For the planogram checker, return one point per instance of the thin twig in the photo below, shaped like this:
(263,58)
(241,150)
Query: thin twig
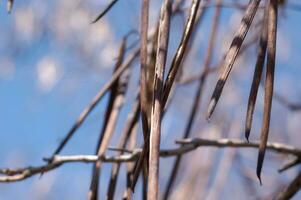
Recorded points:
(277,147)
(111,4)
(287,103)
(291,189)
(130,166)
(128,129)
(114,106)
(13,175)
(290,164)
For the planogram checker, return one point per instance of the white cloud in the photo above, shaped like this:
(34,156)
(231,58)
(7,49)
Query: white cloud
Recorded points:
(48,74)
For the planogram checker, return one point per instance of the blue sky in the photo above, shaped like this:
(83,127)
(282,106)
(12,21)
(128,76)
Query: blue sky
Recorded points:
(38,103)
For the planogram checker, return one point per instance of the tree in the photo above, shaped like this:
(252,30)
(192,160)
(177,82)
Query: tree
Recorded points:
(169,53)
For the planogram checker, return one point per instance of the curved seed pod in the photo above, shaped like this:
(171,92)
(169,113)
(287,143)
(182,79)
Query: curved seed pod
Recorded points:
(178,57)
(257,75)
(232,54)
(269,82)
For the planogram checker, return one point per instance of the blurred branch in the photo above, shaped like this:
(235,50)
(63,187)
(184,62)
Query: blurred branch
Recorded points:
(290,164)
(287,103)
(82,117)
(9,5)
(13,175)
(111,4)
(192,144)
(291,189)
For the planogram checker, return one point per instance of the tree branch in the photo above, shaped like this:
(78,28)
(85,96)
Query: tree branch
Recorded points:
(13,175)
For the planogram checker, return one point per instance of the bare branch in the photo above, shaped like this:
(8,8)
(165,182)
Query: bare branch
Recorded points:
(291,189)
(290,164)
(188,146)
(276,147)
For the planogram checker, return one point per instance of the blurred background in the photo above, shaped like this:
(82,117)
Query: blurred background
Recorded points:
(53,61)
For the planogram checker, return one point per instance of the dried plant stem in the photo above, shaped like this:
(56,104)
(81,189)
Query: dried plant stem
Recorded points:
(145,152)
(157,104)
(213,69)
(115,103)
(232,54)
(257,75)
(269,82)
(130,166)
(126,135)
(196,103)
(177,59)
(143,69)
